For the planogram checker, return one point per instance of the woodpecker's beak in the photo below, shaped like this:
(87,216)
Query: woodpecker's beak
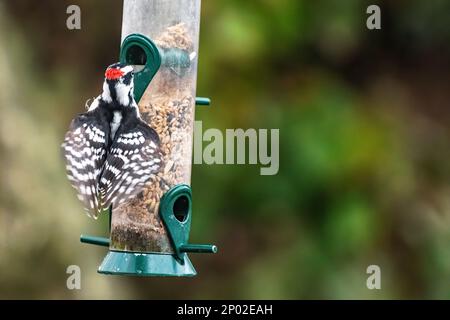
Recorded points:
(137,68)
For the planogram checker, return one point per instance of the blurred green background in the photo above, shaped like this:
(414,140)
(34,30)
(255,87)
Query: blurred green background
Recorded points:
(364,150)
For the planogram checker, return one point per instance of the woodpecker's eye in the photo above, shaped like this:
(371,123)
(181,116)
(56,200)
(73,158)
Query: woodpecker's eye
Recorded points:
(127,78)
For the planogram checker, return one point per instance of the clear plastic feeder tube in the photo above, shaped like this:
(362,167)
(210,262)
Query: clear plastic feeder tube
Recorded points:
(168,106)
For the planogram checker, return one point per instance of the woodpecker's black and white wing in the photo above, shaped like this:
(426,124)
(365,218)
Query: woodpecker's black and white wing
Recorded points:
(84,149)
(134,159)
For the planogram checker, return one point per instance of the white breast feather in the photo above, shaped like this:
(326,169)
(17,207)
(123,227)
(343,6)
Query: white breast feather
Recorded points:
(115,123)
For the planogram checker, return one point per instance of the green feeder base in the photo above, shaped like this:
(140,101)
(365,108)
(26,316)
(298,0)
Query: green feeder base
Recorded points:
(146,264)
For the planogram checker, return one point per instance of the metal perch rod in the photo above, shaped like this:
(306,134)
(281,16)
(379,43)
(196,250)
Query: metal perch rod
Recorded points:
(197,248)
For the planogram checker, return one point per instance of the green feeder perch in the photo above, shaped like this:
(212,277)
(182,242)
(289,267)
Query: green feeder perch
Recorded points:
(149,235)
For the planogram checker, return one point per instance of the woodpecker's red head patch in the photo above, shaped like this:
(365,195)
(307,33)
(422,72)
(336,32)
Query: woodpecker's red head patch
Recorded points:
(113,73)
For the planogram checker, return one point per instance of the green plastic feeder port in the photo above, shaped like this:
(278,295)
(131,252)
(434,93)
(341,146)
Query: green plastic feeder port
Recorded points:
(142,53)
(176,213)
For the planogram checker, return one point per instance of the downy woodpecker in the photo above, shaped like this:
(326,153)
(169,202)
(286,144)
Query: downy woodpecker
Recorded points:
(110,152)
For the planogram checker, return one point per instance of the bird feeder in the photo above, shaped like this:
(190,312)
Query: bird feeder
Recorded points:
(149,234)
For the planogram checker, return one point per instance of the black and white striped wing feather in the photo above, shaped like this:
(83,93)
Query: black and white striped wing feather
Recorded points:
(84,150)
(134,159)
